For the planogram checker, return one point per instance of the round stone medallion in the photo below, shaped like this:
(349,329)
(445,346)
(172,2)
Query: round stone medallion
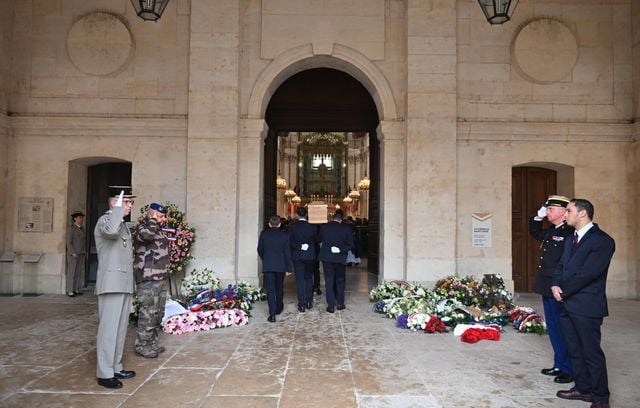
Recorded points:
(545,50)
(99,44)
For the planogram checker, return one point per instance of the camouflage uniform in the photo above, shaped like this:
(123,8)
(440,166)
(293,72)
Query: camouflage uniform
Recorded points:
(151,272)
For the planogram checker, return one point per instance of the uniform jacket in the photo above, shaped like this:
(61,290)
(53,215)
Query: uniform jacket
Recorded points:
(151,247)
(582,274)
(115,254)
(335,234)
(302,232)
(274,249)
(75,240)
(552,244)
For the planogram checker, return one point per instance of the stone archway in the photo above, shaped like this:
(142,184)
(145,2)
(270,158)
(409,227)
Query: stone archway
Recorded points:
(391,134)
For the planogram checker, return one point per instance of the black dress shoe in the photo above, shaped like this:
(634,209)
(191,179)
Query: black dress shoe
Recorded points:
(309,305)
(330,309)
(271,318)
(551,371)
(574,394)
(124,374)
(71,294)
(78,293)
(564,378)
(110,382)
(340,307)
(301,308)
(318,291)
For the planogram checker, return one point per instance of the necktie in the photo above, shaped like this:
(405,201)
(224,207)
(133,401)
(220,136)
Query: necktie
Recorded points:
(574,243)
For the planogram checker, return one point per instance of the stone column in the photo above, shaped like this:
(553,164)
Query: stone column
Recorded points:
(392,199)
(212,141)
(250,193)
(431,139)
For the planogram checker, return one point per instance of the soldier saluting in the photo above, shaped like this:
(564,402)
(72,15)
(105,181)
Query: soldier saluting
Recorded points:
(152,274)
(553,241)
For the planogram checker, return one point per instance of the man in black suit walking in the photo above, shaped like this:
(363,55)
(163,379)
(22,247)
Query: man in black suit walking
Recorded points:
(303,238)
(579,282)
(337,240)
(275,252)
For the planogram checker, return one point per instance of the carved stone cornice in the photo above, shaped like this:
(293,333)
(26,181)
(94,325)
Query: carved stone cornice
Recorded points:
(25,126)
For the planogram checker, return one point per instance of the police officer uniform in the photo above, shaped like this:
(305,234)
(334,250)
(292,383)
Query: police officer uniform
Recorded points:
(552,244)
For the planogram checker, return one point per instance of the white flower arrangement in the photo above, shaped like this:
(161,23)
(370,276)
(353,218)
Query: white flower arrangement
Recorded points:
(418,321)
(199,280)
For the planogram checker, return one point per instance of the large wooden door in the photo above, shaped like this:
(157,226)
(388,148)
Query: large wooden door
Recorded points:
(530,188)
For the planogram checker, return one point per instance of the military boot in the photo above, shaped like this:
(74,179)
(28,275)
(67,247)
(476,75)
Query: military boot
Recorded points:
(146,352)
(157,349)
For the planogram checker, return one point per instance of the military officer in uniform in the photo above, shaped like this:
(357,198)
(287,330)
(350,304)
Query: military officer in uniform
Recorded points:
(114,286)
(303,237)
(75,253)
(337,240)
(152,278)
(553,240)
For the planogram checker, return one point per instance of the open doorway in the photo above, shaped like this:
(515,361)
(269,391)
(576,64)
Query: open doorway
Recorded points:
(99,177)
(322,141)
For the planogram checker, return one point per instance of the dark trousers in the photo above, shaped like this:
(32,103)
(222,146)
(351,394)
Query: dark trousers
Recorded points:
(304,281)
(316,274)
(334,282)
(274,282)
(589,365)
(561,358)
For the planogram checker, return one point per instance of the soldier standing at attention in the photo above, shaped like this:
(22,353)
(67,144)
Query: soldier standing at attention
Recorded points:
(75,254)
(114,287)
(553,241)
(152,274)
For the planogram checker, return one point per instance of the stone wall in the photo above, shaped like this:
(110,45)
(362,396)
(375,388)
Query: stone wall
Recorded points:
(6,26)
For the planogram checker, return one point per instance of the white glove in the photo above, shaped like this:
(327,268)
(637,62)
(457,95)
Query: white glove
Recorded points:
(335,250)
(542,212)
(119,202)
(304,247)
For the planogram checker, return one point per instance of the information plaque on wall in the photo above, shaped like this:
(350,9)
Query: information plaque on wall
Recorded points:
(35,214)
(481,230)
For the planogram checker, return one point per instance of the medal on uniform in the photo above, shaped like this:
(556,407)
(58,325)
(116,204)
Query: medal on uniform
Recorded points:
(124,241)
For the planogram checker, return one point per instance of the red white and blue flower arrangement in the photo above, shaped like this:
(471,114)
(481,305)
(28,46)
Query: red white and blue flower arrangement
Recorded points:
(210,306)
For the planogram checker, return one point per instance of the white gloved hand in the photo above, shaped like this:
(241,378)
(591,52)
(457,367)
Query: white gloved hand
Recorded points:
(542,212)
(119,202)
(335,250)
(304,247)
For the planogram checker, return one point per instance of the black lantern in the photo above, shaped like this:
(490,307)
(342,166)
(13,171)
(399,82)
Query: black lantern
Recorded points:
(150,10)
(498,11)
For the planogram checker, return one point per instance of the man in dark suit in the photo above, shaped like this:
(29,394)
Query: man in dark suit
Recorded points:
(337,240)
(552,240)
(275,252)
(303,238)
(579,282)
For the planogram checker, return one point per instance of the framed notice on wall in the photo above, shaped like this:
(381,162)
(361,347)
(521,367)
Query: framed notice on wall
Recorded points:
(481,230)
(35,214)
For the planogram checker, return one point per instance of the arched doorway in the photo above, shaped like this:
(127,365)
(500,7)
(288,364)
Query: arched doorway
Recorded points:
(326,102)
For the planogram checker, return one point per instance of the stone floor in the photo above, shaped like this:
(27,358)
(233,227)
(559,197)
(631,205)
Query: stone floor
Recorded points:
(353,358)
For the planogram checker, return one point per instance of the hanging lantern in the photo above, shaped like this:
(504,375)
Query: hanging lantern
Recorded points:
(149,10)
(498,11)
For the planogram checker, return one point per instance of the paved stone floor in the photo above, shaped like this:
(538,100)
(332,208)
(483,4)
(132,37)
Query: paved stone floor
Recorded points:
(353,358)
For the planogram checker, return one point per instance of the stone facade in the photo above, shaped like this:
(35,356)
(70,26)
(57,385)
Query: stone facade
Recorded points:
(460,103)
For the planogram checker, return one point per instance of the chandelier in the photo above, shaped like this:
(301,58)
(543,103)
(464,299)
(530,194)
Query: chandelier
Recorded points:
(290,194)
(281,183)
(354,194)
(498,11)
(364,183)
(347,200)
(149,10)
(296,199)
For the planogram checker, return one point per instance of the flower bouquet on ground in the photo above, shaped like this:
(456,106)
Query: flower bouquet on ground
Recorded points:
(527,320)
(205,320)
(199,280)
(421,322)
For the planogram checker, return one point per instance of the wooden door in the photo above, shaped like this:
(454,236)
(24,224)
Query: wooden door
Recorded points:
(530,188)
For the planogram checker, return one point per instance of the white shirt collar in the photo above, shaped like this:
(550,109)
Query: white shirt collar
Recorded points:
(580,233)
